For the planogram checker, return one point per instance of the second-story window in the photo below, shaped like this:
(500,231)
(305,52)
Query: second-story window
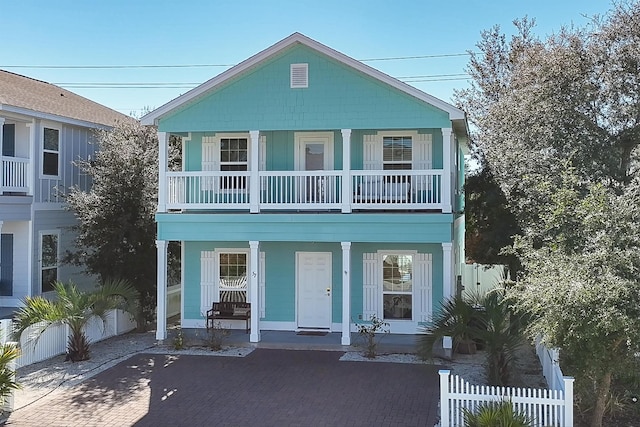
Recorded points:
(51,152)
(397,152)
(234,157)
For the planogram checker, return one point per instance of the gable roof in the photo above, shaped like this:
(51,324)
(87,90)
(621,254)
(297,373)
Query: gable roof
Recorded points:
(151,118)
(24,95)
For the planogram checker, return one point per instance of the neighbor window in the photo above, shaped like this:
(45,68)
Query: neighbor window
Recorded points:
(234,157)
(233,277)
(50,152)
(49,261)
(397,286)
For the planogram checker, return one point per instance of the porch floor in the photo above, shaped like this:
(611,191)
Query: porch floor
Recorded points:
(289,340)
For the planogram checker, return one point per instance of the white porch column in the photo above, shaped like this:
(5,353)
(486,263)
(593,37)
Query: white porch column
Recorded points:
(346,293)
(446,173)
(346,171)
(254,279)
(254,178)
(161,313)
(163,144)
(447,271)
(31,168)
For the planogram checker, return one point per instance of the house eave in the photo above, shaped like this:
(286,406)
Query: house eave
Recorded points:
(53,117)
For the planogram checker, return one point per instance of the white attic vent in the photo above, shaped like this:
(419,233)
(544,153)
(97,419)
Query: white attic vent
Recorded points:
(299,76)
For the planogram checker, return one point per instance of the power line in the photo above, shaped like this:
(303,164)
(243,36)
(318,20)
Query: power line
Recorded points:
(186,85)
(95,67)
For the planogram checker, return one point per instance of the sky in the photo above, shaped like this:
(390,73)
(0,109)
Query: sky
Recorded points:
(133,55)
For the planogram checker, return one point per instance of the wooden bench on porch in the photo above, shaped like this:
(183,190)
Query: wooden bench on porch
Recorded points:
(229,311)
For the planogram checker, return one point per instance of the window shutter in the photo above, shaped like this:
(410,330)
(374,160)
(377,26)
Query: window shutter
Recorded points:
(6,264)
(422,272)
(372,152)
(210,160)
(9,140)
(371,286)
(208,281)
(261,285)
(422,152)
(422,187)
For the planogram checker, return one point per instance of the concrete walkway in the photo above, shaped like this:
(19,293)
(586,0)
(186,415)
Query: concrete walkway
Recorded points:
(130,380)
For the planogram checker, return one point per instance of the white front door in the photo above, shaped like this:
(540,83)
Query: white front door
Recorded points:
(314,288)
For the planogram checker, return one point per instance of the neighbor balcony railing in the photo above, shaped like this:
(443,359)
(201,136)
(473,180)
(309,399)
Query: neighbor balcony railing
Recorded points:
(15,176)
(310,190)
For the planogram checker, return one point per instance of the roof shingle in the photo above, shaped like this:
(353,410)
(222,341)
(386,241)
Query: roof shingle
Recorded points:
(24,92)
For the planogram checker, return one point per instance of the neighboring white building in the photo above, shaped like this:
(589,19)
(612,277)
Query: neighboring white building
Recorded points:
(44,129)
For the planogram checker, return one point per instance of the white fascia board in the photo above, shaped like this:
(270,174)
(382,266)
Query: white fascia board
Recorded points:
(51,117)
(152,117)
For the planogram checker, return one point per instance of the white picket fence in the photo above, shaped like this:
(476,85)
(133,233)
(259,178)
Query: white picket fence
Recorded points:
(53,341)
(546,407)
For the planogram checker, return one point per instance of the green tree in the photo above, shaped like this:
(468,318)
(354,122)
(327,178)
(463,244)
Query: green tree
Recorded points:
(583,293)
(74,308)
(116,217)
(490,225)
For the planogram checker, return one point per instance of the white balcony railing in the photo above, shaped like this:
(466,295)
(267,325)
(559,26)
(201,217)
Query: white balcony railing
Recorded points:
(15,175)
(311,190)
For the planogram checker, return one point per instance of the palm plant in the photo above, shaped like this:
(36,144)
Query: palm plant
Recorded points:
(496,414)
(8,353)
(458,319)
(502,334)
(75,308)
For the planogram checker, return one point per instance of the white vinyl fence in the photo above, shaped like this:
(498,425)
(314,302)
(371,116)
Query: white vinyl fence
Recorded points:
(53,341)
(546,407)
(549,359)
(173,300)
(478,279)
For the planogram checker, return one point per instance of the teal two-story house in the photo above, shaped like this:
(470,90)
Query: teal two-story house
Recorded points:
(320,190)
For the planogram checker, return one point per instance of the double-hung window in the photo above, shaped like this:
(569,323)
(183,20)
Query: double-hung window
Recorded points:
(233,277)
(397,152)
(51,152)
(397,286)
(234,157)
(48,260)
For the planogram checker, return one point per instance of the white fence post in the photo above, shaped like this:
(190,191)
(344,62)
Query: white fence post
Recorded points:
(444,397)
(568,400)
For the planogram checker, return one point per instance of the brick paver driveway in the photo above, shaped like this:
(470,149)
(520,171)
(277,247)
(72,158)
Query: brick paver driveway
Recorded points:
(266,388)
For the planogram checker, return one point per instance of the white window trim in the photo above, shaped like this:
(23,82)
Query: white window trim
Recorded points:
(381,253)
(301,137)
(42,233)
(380,135)
(42,150)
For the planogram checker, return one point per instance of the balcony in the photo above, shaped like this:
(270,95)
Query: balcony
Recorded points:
(308,190)
(15,176)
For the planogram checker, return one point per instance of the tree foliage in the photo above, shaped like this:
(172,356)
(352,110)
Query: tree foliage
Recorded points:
(558,122)
(116,229)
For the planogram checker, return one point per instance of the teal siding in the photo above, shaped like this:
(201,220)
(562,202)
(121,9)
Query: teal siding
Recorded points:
(280,149)
(280,286)
(338,97)
(310,227)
